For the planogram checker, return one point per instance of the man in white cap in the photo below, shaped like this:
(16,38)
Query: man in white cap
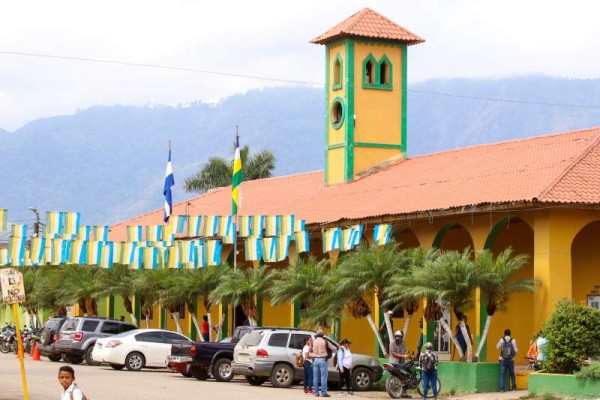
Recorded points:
(320,372)
(398,354)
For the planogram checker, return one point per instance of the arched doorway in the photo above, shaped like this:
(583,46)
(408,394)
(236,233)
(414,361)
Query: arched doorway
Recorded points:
(585,266)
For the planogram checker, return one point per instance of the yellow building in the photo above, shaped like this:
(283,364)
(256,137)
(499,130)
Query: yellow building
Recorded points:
(539,195)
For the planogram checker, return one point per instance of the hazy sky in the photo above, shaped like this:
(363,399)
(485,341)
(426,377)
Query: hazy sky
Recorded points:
(465,38)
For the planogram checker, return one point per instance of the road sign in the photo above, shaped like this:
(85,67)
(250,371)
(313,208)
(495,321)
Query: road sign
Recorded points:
(13,290)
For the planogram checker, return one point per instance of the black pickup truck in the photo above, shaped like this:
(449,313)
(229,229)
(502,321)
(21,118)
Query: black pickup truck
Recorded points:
(204,359)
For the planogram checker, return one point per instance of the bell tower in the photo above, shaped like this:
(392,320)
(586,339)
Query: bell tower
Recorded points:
(365,94)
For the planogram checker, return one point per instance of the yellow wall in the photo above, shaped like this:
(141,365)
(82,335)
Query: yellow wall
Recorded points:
(280,315)
(335,166)
(366,157)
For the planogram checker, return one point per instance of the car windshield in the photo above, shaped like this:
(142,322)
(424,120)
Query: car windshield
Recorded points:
(251,339)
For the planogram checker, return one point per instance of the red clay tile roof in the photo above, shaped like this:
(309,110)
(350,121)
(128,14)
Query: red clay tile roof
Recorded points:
(561,168)
(369,24)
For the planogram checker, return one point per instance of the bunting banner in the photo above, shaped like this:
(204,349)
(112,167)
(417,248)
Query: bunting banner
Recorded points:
(127,253)
(269,249)
(299,225)
(69,236)
(18,230)
(16,250)
(199,255)
(137,258)
(94,251)
(71,222)
(302,241)
(59,251)
(244,226)
(331,239)
(286,225)
(258,222)
(106,255)
(186,253)
(194,225)
(154,233)
(150,257)
(78,253)
(54,223)
(283,246)
(226,229)
(36,250)
(179,223)
(134,233)
(100,233)
(272,223)
(4,259)
(253,249)
(84,232)
(211,225)
(381,234)
(3,220)
(212,252)
(351,237)
(174,256)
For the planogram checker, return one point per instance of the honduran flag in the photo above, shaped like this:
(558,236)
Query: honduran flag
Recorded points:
(169,183)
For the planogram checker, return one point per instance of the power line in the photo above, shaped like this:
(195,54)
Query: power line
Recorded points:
(266,78)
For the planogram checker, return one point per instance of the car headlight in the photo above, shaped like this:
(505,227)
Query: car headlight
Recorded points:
(113,343)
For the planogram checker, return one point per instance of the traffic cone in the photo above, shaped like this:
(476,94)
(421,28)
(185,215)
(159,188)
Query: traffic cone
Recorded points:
(35,353)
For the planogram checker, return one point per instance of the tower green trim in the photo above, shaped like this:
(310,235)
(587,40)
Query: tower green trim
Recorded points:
(404,89)
(349,163)
(378,145)
(326,114)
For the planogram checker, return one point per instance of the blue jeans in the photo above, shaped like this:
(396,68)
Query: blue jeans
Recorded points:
(510,366)
(429,379)
(320,372)
(308,375)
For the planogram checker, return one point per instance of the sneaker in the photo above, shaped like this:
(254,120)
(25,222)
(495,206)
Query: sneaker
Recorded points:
(325,395)
(310,391)
(316,394)
(406,396)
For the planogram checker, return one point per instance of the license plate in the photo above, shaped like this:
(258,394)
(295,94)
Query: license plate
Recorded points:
(178,359)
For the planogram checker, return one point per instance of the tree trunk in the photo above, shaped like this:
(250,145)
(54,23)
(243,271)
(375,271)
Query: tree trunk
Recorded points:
(147,315)
(388,326)
(452,337)
(129,308)
(175,316)
(377,335)
(195,320)
(220,328)
(463,329)
(407,323)
(486,328)
(133,319)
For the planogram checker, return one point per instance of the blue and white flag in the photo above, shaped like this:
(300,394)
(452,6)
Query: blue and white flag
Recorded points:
(169,183)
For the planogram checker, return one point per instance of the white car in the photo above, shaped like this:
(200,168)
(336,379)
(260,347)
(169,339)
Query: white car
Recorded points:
(136,349)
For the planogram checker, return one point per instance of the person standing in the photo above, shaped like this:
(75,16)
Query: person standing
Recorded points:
(428,363)
(204,328)
(308,366)
(399,353)
(320,354)
(508,349)
(66,378)
(541,355)
(344,360)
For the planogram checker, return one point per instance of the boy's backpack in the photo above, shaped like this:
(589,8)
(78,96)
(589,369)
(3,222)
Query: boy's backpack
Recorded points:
(82,394)
(299,360)
(507,351)
(429,363)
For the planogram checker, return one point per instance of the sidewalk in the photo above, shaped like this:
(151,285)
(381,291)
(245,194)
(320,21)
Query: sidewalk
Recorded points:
(511,395)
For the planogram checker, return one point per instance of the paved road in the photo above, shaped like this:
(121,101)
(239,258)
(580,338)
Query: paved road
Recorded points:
(99,383)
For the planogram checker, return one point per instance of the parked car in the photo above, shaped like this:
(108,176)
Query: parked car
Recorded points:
(78,336)
(270,353)
(136,349)
(203,359)
(49,336)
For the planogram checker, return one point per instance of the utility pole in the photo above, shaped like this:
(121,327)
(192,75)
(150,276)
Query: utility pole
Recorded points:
(36,225)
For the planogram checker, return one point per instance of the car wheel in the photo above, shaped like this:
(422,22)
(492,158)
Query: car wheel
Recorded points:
(199,373)
(362,379)
(135,361)
(222,370)
(118,367)
(54,357)
(282,375)
(255,380)
(88,356)
(76,359)
(186,374)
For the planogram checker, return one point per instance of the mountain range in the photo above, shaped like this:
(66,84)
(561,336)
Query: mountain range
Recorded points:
(108,162)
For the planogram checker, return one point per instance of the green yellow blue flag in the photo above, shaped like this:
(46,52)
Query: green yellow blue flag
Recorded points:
(237,178)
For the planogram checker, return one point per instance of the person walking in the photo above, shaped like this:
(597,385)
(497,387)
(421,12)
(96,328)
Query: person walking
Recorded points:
(320,372)
(308,366)
(344,360)
(398,354)
(428,362)
(508,349)
(204,327)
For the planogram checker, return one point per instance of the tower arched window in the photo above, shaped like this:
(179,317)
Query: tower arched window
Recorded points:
(384,78)
(369,72)
(377,74)
(337,72)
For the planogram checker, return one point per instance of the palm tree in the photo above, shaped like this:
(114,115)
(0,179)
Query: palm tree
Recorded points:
(452,276)
(329,304)
(148,284)
(31,277)
(206,282)
(171,297)
(242,287)
(217,170)
(368,271)
(79,285)
(496,284)
(118,281)
(47,288)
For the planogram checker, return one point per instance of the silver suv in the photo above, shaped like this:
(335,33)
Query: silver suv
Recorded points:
(270,353)
(78,336)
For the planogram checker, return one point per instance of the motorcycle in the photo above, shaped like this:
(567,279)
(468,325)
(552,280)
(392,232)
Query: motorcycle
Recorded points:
(408,376)
(6,339)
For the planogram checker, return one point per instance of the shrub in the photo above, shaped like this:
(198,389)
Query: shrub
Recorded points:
(589,372)
(573,334)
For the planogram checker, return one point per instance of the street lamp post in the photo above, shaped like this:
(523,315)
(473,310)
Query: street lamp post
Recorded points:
(36,225)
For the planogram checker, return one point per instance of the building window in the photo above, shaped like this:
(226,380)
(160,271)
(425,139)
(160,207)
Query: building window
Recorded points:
(337,113)
(337,73)
(377,74)
(383,74)
(369,72)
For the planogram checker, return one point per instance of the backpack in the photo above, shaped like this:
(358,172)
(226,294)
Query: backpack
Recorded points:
(429,363)
(82,394)
(299,360)
(507,351)
(335,358)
